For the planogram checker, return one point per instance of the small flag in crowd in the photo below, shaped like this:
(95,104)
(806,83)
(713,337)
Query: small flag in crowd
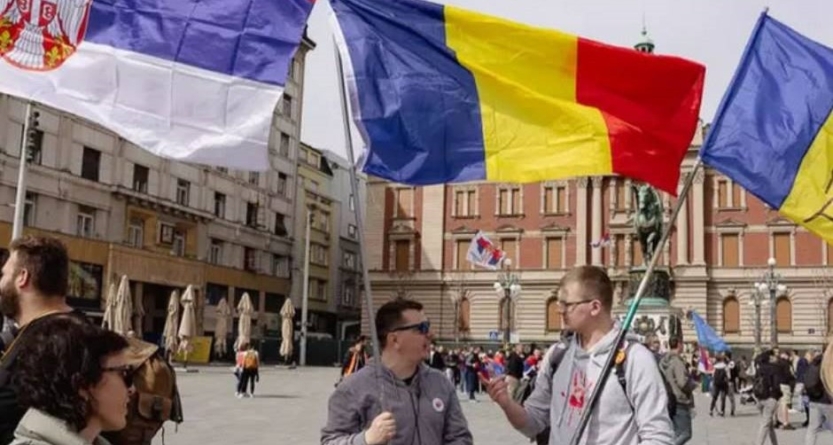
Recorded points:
(437,101)
(773,133)
(483,253)
(191,80)
(602,242)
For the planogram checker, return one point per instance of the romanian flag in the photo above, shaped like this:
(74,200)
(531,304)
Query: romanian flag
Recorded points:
(443,95)
(773,133)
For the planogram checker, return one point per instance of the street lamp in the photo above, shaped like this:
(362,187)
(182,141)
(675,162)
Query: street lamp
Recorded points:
(508,287)
(305,292)
(770,286)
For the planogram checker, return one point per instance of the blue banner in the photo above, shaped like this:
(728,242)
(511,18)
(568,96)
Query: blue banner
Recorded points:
(706,336)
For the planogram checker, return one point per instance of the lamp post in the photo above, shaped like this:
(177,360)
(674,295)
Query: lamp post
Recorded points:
(305,298)
(508,287)
(770,285)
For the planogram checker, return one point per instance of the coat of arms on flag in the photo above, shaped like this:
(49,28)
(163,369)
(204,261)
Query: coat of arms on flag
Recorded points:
(484,253)
(41,34)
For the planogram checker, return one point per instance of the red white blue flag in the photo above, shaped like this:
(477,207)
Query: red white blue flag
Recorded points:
(484,253)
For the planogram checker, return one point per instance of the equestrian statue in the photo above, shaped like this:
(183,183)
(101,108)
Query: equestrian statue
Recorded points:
(647,220)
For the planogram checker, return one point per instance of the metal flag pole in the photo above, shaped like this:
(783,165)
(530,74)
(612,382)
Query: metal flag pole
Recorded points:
(20,196)
(354,186)
(640,292)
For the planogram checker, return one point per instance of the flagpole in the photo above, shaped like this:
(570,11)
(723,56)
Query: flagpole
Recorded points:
(354,186)
(20,196)
(640,293)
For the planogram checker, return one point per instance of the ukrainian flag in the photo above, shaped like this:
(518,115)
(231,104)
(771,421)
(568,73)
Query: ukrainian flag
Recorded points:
(773,133)
(443,95)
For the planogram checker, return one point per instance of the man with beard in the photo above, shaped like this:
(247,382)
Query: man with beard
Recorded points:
(33,285)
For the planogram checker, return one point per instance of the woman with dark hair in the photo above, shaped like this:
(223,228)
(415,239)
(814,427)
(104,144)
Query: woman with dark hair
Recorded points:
(73,378)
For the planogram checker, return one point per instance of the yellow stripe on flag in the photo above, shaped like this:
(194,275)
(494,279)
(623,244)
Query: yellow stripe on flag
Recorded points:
(533,129)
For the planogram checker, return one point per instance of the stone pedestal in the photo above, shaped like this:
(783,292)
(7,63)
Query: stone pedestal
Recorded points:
(655,316)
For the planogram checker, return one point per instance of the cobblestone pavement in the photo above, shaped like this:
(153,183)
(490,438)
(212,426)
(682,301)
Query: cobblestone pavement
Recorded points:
(291,406)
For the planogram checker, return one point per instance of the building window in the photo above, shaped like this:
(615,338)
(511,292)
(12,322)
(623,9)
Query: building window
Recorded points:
(282,180)
(729,194)
(280,224)
(183,192)
(465,203)
(729,249)
(555,257)
(136,233)
(90,164)
(319,254)
(249,259)
(251,214)
(462,255)
(322,221)
(216,253)
(731,316)
(781,249)
(286,106)
(352,231)
(284,145)
(403,256)
(621,202)
(620,249)
(784,315)
(349,260)
(219,205)
(320,290)
(85,222)
(553,315)
(404,203)
(140,178)
(280,266)
(35,153)
(254,178)
(554,199)
(510,247)
(166,233)
(178,248)
(464,315)
(29,207)
(509,201)
(348,296)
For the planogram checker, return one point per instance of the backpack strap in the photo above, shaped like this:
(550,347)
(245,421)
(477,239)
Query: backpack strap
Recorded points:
(620,367)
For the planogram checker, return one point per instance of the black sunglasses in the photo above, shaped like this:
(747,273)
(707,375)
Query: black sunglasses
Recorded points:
(126,372)
(423,328)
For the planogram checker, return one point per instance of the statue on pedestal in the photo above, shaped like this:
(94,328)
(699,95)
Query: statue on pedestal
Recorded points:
(647,221)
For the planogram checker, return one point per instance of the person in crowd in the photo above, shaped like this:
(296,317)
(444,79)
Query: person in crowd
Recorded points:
(630,412)
(515,370)
(734,379)
(720,384)
(801,364)
(768,392)
(473,365)
(248,370)
(786,378)
(33,285)
(355,359)
(677,374)
(77,401)
(435,358)
(420,405)
(452,367)
(820,408)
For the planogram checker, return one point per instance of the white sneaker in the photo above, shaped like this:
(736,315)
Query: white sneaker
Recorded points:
(239,395)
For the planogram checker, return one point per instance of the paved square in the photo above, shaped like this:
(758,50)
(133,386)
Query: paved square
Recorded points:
(291,406)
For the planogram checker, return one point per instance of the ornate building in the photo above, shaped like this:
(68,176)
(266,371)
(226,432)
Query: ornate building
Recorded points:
(720,247)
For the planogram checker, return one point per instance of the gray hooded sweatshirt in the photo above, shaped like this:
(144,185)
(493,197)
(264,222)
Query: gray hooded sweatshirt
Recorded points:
(427,411)
(639,417)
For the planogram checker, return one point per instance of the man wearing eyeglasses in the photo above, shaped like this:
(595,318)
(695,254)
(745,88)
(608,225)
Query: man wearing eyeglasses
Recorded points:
(398,400)
(631,411)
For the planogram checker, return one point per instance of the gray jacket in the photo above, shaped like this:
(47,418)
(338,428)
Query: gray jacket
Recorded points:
(39,428)
(673,367)
(427,411)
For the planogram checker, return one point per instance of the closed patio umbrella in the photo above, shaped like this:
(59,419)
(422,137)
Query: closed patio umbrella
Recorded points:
(188,323)
(124,308)
(244,323)
(221,327)
(169,334)
(109,318)
(287,325)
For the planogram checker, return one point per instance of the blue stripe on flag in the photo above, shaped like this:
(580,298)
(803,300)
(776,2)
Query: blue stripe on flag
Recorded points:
(252,39)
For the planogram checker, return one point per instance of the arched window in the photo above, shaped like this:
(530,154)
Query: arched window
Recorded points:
(731,316)
(464,315)
(553,315)
(784,315)
(505,305)
(830,315)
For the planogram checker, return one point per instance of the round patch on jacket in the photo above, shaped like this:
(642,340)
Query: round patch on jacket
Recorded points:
(438,405)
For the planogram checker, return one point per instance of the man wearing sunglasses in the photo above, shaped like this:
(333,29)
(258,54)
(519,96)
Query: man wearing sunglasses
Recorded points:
(398,400)
(630,412)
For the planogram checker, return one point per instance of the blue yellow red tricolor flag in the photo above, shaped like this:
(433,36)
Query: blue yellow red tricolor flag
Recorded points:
(443,95)
(773,133)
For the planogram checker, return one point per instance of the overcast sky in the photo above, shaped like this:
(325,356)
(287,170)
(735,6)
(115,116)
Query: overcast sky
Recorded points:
(712,32)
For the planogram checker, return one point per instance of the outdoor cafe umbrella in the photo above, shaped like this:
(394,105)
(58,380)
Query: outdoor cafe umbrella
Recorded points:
(221,325)
(109,318)
(288,317)
(188,323)
(123,308)
(171,323)
(138,315)
(244,324)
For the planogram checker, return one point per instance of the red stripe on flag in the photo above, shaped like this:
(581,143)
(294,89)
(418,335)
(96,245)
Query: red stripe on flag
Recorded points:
(651,106)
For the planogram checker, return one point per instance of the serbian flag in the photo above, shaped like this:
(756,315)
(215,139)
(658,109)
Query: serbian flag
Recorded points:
(445,95)
(192,80)
(483,253)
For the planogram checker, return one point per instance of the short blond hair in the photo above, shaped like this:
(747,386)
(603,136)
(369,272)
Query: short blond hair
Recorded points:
(594,283)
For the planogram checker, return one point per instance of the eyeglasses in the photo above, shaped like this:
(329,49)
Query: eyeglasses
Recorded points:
(567,306)
(423,328)
(126,372)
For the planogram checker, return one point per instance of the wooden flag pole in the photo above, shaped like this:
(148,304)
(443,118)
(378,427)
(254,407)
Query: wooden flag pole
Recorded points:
(640,293)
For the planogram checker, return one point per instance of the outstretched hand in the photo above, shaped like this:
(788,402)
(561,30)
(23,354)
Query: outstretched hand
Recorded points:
(498,390)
